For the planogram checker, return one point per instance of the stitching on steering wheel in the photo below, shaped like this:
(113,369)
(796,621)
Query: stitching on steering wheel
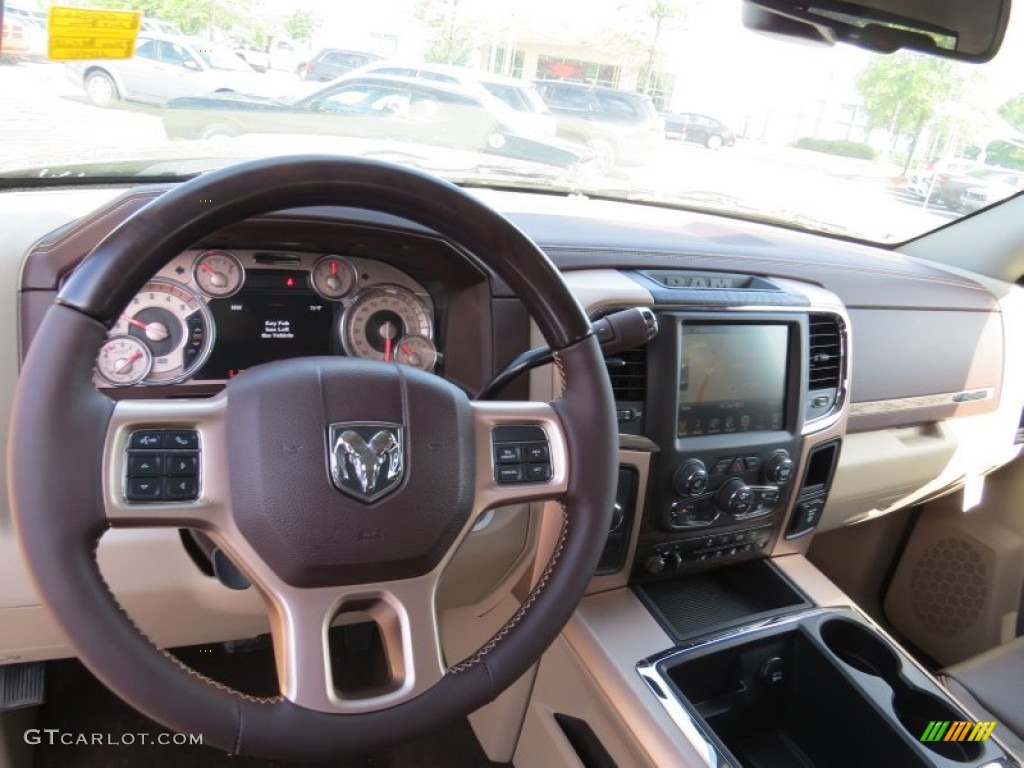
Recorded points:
(509,625)
(170,656)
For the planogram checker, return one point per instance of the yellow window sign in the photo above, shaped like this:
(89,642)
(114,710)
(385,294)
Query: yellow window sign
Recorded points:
(79,33)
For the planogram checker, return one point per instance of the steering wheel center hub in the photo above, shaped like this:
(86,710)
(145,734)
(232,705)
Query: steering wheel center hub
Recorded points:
(348,471)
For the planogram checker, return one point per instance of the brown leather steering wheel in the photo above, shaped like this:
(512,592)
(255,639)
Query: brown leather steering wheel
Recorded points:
(267,496)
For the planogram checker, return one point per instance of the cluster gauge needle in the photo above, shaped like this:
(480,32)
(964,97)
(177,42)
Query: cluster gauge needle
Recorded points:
(153,331)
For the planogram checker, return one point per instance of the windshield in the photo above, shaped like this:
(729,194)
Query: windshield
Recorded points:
(671,102)
(217,57)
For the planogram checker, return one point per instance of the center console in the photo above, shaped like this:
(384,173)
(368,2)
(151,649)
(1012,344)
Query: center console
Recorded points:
(729,400)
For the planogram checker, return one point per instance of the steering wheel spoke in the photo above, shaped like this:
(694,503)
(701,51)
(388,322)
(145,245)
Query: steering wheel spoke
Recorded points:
(521,453)
(164,464)
(313,677)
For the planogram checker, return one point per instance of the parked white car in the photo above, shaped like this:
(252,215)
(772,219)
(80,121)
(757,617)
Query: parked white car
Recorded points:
(532,115)
(164,68)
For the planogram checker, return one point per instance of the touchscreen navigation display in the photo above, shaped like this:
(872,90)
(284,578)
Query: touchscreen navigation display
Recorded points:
(732,378)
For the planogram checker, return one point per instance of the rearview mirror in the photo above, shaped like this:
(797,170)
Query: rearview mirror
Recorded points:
(968,30)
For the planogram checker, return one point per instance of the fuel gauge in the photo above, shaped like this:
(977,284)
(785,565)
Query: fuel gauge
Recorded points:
(123,361)
(417,351)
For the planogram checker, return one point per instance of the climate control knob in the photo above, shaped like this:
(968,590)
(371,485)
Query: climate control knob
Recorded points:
(779,468)
(691,478)
(735,497)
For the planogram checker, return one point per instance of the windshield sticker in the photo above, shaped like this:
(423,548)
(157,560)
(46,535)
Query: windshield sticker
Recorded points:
(77,33)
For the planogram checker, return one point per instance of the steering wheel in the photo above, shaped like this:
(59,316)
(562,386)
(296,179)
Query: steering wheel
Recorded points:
(269,498)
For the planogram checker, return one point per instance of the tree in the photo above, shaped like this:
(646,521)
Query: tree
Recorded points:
(452,40)
(192,17)
(1012,111)
(902,91)
(301,24)
(660,12)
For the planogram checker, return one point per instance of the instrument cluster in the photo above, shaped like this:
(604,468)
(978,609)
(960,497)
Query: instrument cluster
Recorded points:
(210,314)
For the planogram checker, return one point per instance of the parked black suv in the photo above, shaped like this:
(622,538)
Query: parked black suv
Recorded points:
(621,127)
(334,62)
(701,129)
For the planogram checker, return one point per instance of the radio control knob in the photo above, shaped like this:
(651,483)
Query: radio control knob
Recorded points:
(735,497)
(691,478)
(779,468)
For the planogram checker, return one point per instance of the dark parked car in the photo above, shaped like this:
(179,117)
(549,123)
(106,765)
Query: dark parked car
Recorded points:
(334,62)
(712,133)
(975,189)
(378,107)
(622,128)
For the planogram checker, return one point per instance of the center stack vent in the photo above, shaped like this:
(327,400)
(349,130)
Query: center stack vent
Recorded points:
(825,364)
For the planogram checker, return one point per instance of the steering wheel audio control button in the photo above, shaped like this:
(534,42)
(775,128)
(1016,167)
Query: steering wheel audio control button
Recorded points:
(183,464)
(146,438)
(509,473)
(152,476)
(182,488)
(144,489)
(508,454)
(142,464)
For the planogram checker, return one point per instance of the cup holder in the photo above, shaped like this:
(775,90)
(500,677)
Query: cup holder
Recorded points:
(861,649)
(916,709)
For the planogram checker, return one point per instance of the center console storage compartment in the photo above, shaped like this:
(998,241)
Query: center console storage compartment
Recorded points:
(820,688)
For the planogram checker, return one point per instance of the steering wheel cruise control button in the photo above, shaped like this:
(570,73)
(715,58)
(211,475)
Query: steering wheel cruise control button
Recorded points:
(521,455)
(153,476)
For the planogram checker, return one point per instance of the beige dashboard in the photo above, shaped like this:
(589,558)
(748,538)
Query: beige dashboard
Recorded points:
(901,444)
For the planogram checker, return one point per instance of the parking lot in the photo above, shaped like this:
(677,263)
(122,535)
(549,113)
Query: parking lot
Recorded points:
(46,120)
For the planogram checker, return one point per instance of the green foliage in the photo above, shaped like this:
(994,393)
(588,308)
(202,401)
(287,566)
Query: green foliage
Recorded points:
(1005,155)
(300,25)
(839,147)
(192,17)
(902,91)
(1012,111)
(452,40)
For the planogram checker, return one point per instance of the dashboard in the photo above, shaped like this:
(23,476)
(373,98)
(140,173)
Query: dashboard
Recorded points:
(797,383)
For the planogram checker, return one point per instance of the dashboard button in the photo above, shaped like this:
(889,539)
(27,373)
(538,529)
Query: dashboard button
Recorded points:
(146,438)
(144,489)
(506,474)
(722,466)
(736,468)
(182,488)
(536,452)
(183,439)
(538,473)
(186,464)
(146,463)
(752,463)
(508,454)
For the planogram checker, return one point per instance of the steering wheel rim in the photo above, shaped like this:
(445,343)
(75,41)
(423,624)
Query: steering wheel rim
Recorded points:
(59,524)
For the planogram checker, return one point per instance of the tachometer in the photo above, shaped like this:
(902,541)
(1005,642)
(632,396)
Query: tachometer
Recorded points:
(174,325)
(379,318)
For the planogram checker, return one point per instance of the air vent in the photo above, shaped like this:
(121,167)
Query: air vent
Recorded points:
(826,353)
(628,373)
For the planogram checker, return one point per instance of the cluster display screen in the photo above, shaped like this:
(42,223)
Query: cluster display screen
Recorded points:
(255,326)
(732,378)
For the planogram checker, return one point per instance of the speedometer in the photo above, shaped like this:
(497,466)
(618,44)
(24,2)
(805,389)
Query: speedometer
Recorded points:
(379,318)
(174,324)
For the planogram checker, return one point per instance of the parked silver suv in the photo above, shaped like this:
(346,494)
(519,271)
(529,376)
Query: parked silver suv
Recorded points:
(621,127)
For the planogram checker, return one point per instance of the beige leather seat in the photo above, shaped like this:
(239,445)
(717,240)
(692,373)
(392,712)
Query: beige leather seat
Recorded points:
(991,686)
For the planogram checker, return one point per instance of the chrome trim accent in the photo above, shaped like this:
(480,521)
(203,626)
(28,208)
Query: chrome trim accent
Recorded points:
(873,407)
(368,455)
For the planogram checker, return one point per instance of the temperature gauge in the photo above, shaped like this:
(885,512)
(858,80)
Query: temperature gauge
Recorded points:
(123,361)
(417,351)
(334,277)
(218,273)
